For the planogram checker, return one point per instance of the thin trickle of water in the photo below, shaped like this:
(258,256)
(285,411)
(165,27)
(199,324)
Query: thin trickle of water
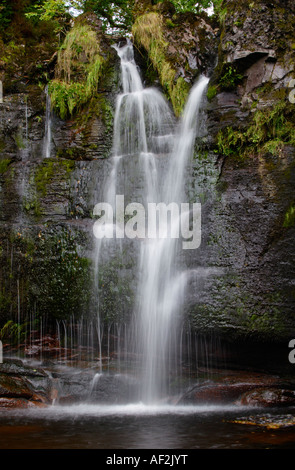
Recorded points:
(27,122)
(48,125)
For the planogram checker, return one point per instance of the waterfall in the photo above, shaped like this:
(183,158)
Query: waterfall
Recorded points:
(48,123)
(148,164)
(162,283)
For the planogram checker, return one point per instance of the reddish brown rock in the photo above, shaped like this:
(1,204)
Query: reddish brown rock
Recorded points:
(23,386)
(243,388)
(20,403)
(268,397)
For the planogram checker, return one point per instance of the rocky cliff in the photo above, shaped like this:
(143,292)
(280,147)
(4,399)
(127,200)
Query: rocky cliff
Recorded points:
(242,172)
(251,132)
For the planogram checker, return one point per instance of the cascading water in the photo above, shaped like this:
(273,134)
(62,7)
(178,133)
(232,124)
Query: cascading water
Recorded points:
(48,123)
(148,165)
(162,283)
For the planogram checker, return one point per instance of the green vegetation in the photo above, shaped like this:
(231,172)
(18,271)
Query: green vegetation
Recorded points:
(6,14)
(116,16)
(79,67)
(212,91)
(270,129)
(115,293)
(13,332)
(32,205)
(148,32)
(50,169)
(53,11)
(45,174)
(182,6)
(32,20)
(62,280)
(289,220)
(229,77)
(4,164)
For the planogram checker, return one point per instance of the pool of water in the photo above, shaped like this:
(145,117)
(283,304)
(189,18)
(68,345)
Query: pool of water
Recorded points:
(138,426)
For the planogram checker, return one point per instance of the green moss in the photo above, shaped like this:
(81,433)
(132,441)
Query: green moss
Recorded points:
(115,293)
(104,110)
(222,15)
(148,33)
(179,93)
(170,23)
(270,129)
(289,220)
(49,170)
(44,176)
(19,140)
(32,205)
(4,164)
(79,68)
(212,91)
(229,77)
(13,332)
(60,285)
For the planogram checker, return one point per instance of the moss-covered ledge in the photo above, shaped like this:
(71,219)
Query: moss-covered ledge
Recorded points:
(179,48)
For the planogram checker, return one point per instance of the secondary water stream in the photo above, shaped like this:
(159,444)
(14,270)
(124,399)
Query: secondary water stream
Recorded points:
(48,126)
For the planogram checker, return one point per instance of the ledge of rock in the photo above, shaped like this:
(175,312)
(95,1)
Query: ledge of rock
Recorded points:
(23,386)
(251,389)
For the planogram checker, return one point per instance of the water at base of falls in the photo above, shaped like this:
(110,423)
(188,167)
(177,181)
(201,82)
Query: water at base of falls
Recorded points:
(141,427)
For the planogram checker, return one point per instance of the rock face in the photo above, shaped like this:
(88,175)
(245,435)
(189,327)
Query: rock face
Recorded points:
(250,389)
(23,386)
(47,203)
(243,173)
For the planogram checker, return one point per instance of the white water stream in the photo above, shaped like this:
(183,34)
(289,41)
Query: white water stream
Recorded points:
(48,126)
(150,157)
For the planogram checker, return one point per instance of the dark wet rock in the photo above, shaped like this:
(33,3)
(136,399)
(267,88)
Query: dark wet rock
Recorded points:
(20,403)
(74,386)
(21,384)
(113,388)
(271,397)
(45,347)
(242,388)
(19,368)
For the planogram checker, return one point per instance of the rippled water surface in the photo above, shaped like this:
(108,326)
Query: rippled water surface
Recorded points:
(141,427)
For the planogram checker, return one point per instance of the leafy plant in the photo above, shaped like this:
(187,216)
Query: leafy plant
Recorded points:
(13,332)
(6,14)
(289,219)
(79,67)
(230,78)
(148,32)
(195,7)
(270,129)
(54,11)
(211,93)
(4,164)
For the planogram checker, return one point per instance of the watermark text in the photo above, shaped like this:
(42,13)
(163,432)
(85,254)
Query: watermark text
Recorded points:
(157,221)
